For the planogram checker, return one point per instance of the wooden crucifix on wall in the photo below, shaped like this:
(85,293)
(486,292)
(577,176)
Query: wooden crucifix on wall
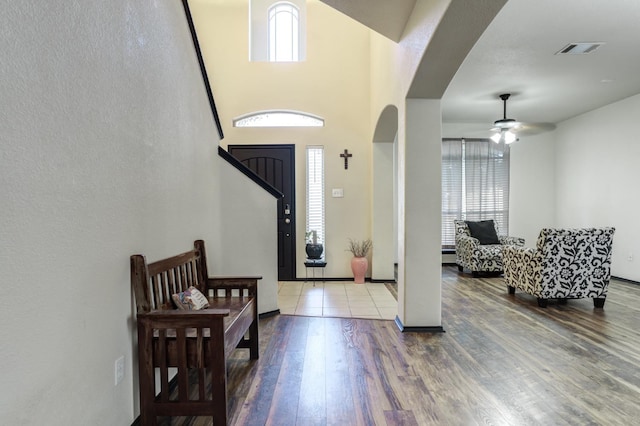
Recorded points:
(346,157)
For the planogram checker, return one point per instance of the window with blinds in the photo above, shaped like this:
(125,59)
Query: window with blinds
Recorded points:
(315,191)
(475,184)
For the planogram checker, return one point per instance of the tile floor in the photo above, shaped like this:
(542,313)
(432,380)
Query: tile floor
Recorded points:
(343,299)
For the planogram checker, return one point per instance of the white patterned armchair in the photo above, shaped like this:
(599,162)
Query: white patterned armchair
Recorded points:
(482,254)
(566,264)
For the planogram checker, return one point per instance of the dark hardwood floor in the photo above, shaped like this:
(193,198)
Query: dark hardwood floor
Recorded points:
(502,361)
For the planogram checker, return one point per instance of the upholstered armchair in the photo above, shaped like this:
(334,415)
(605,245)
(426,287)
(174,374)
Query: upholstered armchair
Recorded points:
(479,249)
(566,264)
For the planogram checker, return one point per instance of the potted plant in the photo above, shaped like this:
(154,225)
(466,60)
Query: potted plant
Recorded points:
(313,249)
(359,262)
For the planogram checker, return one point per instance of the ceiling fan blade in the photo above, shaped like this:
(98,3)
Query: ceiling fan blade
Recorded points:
(505,125)
(531,129)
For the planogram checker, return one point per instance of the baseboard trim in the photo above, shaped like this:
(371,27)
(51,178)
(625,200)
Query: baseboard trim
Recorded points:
(626,280)
(369,280)
(269,314)
(320,279)
(435,329)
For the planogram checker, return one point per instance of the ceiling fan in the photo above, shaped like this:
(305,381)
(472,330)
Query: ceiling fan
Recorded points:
(507,130)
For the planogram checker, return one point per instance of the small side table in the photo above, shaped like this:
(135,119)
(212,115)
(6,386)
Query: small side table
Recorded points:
(313,264)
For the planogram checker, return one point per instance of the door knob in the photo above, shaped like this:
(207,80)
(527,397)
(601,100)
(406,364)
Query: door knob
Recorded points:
(287,220)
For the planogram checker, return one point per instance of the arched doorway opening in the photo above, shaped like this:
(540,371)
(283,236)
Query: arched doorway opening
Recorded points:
(384,230)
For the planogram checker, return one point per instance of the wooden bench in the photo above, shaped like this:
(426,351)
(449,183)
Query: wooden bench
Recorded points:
(186,340)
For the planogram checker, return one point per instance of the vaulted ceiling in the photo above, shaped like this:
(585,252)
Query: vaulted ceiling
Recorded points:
(388,18)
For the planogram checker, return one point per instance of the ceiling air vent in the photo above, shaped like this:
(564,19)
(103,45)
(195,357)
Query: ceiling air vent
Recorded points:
(578,48)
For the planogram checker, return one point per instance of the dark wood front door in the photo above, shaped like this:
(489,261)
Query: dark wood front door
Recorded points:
(276,165)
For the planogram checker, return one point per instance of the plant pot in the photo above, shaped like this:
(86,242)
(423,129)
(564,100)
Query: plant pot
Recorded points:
(314,251)
(359,267)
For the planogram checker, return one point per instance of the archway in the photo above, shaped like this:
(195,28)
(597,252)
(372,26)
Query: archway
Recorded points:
(384,230)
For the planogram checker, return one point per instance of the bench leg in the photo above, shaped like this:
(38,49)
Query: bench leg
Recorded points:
(147,420)
(146,376)
(253,340)
(219,402)
(219,405)
(218,377)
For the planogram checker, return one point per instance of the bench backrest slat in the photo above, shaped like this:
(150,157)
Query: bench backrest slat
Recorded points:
(154,283)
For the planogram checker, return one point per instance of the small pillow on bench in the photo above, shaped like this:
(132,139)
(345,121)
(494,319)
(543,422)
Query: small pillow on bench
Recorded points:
(190,300)
(484,231)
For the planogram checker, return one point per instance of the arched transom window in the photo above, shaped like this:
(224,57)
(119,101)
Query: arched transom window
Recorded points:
(284,33)
(278,118)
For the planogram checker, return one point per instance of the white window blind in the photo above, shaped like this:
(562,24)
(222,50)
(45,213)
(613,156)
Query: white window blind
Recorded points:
(315,191)
(475,184)
(452,189)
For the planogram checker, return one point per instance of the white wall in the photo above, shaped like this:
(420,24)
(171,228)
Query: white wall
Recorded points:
(109,149)
(333,82)
(246,234)
(383,254)
(420,296)
(532,186)
(596,177)
(418,165)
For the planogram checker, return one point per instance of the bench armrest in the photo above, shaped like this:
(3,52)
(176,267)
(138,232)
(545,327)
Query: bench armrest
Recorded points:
(179,313)
(176,318)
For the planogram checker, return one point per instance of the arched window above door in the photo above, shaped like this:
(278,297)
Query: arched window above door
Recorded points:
(278,118)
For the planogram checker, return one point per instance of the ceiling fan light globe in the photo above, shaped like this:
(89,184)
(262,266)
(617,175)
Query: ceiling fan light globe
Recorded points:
(496,137)
(509,137)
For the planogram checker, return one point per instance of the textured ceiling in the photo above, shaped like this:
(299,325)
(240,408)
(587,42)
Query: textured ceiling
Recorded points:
(516,54)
